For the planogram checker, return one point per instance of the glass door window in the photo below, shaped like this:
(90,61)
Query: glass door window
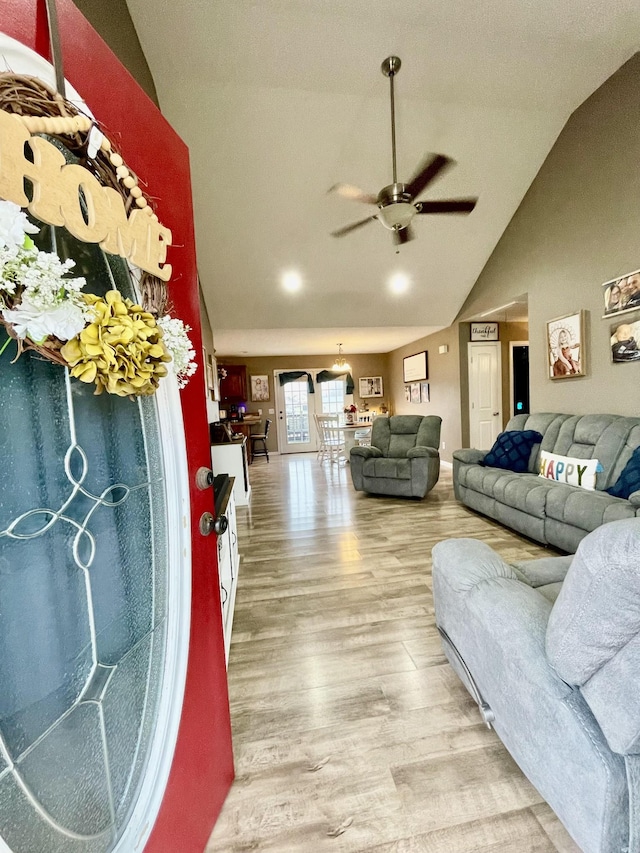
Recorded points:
(296,407)
(84,578)
(332,397)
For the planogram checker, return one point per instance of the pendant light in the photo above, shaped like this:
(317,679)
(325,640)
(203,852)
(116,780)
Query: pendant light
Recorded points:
(340,365)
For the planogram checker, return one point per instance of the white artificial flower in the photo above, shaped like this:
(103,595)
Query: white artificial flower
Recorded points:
(64,320)
(179,347)
(14,224)
(42,280)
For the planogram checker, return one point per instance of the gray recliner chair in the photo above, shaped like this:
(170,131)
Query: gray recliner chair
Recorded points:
(558,679)
(403,459)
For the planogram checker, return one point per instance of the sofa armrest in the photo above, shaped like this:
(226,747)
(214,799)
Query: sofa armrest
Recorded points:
(365,452)
(544,570)
(497,623)
(469,455)
(634,499)
(468,562)
(422,450)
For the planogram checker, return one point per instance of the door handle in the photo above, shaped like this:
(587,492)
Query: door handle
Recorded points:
(204,478)
(209,524)
(495,414)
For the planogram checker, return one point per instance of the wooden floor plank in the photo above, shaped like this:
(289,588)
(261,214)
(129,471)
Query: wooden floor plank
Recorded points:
(351,732)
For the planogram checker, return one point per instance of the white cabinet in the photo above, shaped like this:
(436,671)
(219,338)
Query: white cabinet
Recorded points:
(228,565)
(231,458)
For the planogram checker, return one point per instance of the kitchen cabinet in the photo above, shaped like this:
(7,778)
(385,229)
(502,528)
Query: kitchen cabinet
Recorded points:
(233,388)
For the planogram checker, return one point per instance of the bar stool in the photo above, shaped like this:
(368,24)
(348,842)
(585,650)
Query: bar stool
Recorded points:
(260,437)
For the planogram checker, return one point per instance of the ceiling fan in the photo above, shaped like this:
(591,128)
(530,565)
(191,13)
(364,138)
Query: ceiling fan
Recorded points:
(398,203)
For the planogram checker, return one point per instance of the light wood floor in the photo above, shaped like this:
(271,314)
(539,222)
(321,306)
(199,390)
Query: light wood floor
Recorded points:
(351,732)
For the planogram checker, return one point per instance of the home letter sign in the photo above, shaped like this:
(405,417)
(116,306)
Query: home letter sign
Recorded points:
(56,199)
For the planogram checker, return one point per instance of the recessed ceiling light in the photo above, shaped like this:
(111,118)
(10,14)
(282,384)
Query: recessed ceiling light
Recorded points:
(399,283)
(292,281)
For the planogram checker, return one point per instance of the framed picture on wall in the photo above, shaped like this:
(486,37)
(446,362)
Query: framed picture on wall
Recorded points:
(424,392)
(624,342)
(566,347)
(259,389)
(407,393)
(621,294)
(415,367)
(370,386)
(415,392)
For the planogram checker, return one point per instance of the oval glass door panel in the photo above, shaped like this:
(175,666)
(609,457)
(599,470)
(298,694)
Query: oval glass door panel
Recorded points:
(84,575)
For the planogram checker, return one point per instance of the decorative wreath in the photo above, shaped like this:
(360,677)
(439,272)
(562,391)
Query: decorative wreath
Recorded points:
(121,347)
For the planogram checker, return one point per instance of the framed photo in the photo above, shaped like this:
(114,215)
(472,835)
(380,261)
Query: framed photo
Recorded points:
(624,342)
(370,386)
(484,331)
(424,392)
(621,294)
(407,393)
(415,367)
(259,389)
(415,392)
(565,346)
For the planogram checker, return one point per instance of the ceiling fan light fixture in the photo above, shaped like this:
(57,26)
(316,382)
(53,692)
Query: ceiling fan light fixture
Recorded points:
(397,215)
(340,365)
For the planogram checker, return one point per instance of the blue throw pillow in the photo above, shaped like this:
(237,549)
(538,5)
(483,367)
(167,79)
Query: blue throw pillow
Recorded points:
(512,450)
(629,479)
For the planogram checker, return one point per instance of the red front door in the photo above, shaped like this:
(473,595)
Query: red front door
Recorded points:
(202,765)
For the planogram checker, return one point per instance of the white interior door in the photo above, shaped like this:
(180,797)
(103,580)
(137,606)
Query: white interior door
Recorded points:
(485,393)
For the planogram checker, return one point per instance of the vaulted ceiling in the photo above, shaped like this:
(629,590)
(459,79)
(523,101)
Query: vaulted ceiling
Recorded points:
(280,99)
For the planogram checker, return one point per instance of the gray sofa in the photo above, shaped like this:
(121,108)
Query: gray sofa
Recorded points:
(551,512)
(558,681)
(403,459)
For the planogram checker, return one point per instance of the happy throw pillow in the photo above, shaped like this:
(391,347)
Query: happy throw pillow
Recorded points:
(512,449)
(568,469)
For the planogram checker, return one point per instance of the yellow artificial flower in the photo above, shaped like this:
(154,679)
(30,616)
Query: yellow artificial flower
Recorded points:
(121,349)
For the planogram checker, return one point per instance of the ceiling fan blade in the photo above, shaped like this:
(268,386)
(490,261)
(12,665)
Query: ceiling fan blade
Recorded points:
(404,235)
(353,193)
(459,205)
(353,227)
(428,171)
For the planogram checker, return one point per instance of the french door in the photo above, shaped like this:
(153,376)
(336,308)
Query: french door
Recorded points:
(297,431)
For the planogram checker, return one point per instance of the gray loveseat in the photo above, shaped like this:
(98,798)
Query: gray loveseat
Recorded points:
(550,512)
(558,681)
(403,459)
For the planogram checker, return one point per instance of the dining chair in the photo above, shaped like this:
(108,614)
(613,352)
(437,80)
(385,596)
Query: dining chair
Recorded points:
(331,438)
(260,438)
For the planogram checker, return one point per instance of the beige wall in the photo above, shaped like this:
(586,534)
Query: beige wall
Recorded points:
(444,385)
(576,228)
(361,365)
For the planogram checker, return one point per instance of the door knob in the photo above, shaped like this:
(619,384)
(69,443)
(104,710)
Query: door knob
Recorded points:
(495,414)
(204,478)
(209,524)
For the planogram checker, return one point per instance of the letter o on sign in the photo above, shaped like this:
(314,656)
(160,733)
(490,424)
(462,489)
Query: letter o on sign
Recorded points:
(93,229)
